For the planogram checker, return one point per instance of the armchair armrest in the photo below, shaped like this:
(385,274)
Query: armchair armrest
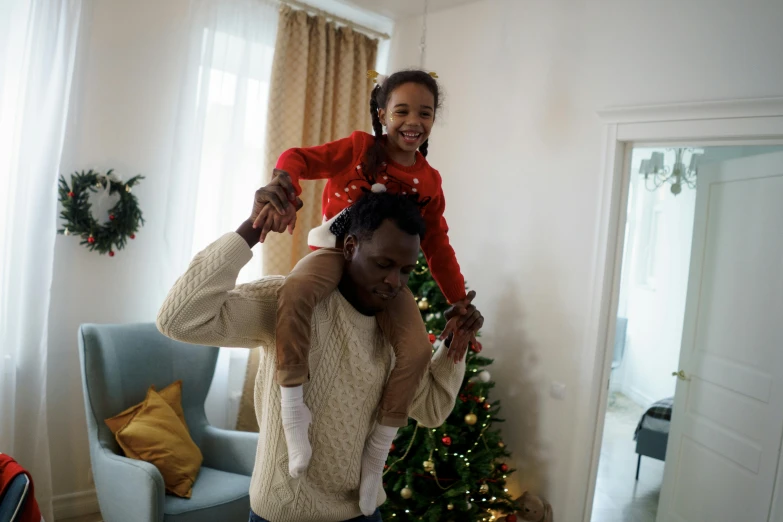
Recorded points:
(231,451)
(128,490)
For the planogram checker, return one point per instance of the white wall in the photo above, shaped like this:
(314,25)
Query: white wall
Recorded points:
(126,92)
(524,81)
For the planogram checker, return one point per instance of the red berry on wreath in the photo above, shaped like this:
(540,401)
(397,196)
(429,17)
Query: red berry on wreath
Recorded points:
(91,240)
(504,468)
(476,347)
(487,405)
(446,440)
(71,194)
(393,447)
(511,518)
(111,217)
(111,253)
(133,236)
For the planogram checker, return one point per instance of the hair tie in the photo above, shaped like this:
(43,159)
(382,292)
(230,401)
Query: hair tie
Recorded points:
(377,77)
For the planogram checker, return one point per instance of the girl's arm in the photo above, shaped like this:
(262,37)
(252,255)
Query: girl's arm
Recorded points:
(322,161)
(439,253)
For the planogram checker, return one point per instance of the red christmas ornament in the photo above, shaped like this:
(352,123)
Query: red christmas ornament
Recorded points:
(463,398)
(477,399)
(91,240)
(446,440)
(71,194)
(111,217)
(433,338)
(511,518)
(393,447)
(504,468)
(487,405)
(111,253)
(476,347)
(133,236)
(385,466)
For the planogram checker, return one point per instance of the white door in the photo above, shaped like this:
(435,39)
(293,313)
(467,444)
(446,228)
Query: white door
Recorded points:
(727,425)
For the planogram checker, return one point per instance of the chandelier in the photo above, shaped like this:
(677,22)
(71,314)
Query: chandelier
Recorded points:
(656,173)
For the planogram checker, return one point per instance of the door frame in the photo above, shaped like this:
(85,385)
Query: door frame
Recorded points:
(736,122)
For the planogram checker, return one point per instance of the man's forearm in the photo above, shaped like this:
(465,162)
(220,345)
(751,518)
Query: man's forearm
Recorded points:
(206,306)
(249,234)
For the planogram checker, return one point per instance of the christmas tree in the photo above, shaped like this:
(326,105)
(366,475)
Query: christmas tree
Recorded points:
(455,472)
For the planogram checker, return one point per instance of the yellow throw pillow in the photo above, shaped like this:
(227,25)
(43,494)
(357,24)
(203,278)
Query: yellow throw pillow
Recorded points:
(172,394)
(157,436)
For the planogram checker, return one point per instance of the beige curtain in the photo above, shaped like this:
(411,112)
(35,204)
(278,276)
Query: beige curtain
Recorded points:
(319,92)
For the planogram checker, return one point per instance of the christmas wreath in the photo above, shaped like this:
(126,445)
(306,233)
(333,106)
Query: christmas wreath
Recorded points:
(125,217)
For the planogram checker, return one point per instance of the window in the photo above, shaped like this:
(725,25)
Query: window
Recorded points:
(233,91)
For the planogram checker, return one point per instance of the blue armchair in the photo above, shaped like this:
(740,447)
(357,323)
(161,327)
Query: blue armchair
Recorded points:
(119,363)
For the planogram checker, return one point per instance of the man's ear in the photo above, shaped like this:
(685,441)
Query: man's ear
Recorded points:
(349,247)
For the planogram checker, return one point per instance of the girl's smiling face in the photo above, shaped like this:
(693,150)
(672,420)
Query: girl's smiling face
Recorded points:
(408,118)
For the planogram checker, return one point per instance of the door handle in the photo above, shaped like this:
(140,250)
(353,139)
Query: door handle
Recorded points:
(681,375)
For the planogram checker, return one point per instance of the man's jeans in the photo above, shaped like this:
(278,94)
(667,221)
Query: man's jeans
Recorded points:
(375,517)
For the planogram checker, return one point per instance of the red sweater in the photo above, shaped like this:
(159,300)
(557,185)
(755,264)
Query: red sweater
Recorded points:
(340,162)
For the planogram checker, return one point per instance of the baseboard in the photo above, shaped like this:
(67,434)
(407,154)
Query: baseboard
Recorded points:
(637,397)
(76,504)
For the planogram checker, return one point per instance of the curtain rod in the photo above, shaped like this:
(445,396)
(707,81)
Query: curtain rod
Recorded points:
(362,28)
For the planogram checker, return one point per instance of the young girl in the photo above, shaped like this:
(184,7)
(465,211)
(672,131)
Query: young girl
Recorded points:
(405,104)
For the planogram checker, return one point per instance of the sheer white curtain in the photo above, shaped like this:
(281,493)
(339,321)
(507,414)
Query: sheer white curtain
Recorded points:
(219,150)
(37,53)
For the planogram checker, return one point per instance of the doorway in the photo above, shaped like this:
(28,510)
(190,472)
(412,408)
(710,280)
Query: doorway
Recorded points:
(650,312)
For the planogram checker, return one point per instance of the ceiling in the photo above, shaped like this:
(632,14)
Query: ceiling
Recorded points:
(399,9)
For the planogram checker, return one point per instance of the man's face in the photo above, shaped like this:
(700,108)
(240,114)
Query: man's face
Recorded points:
(379,267)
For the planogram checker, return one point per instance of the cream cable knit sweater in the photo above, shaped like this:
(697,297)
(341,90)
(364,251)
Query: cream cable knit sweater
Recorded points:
(349,363)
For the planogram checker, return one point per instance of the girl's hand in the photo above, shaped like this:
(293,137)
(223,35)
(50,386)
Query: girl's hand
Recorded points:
(464,322)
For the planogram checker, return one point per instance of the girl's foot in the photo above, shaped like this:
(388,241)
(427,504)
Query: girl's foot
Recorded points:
(296,421)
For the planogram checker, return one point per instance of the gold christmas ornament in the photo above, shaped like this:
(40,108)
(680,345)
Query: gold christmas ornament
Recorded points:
(406,492)
(424,304)
(484,489)
(471,419)
(429,466)
(501,444)
(127,188)
(66,232)
(450,507)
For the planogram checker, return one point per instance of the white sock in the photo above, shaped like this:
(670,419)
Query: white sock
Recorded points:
(296,421)
(376,450)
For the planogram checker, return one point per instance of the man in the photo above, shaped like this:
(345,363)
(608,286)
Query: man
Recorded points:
(349,358)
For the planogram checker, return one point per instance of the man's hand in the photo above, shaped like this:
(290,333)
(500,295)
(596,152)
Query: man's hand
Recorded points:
(279,193)
(464,322)
(272,221)
(274,209)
